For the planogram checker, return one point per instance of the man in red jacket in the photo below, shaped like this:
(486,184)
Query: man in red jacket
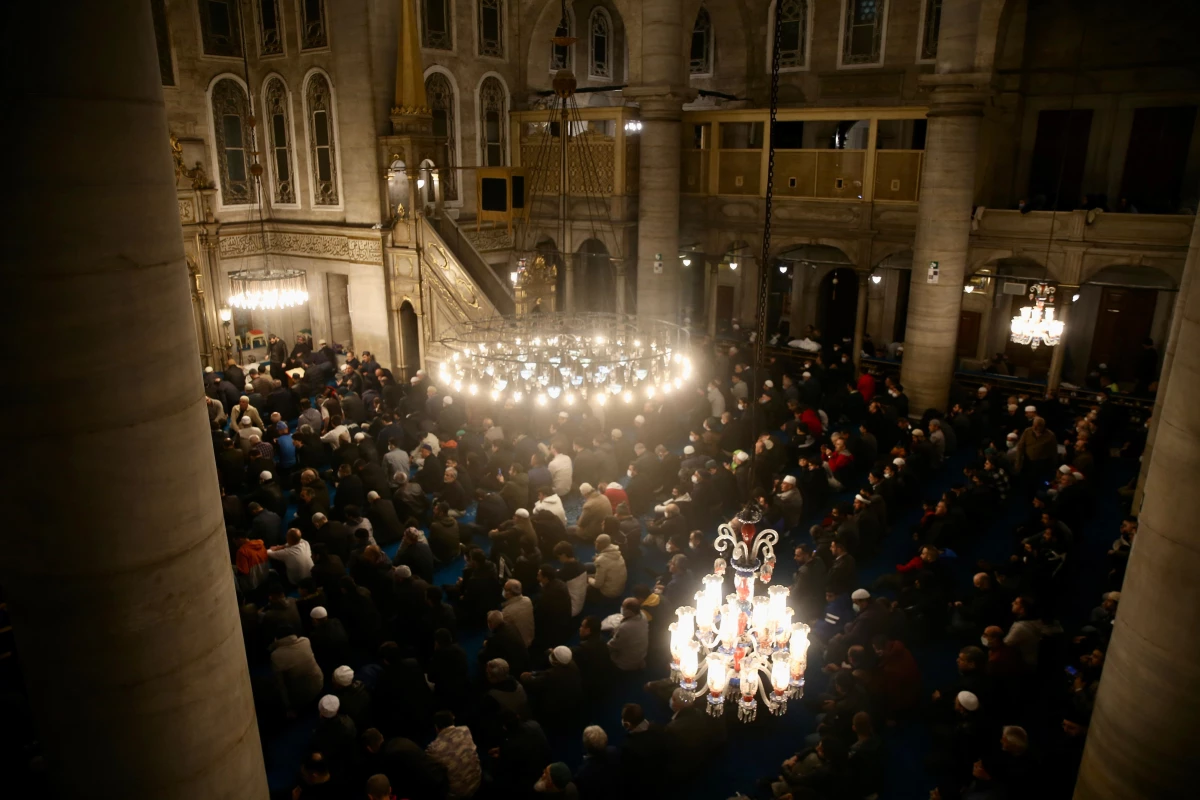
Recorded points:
(899,677)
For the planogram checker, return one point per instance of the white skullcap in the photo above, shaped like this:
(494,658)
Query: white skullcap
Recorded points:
(789,480)
(660,509)
(1077,475)
(1104,366)
(981,390)
(689,450)
(358,437)
(806,374)
(208,370)
(343,676)
(639,419)
(523,513)
(861,499)
(769,384)
(447,400)
(918,432)
(586,488)
(265,475)
(244,421)
(414,380)
(421,373)
(561,655)
(404,571)
(968,700)
(1012,437)
(899,462)
(769,444)
(1065,469)
(1031,409)
(616,433)
(249,387)
(371,496)
(329,706)
(318,613)
(741,456)
(860,594)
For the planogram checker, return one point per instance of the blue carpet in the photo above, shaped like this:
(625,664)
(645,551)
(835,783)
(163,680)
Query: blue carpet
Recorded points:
(755,750)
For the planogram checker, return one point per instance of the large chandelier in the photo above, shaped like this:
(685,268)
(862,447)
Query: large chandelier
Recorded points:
(268,288)
(567,358)
(744,646)
(1036,324)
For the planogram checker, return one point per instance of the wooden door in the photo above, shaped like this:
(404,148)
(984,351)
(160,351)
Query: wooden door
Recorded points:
(1124,320)
(968,333)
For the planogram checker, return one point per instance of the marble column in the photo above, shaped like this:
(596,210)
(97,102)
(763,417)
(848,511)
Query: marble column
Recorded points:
(860,317)
(113,556)
(661,95)
(714,270)
(1147,717)
(1058,356)
(1193,258)
(569,282)
(619,266)
(944,210)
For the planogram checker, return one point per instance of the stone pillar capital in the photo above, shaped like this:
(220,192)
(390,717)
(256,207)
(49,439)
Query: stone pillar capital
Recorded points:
(663,101)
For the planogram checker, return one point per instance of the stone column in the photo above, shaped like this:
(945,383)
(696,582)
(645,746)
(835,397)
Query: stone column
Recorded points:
(113,556)
(661,96)
(569,282)
(1062,313)
(1193,258)
(619,266)
(860,317)
(1145,723)
(944,210)
(714,270)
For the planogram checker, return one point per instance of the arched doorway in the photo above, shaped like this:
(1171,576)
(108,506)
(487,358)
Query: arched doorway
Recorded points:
(796,291)
(837,299)
(1118,308)
(399,201)
(426,190)
(595,281)
(410,340)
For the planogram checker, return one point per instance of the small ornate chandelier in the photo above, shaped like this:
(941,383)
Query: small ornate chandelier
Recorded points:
(566,358)
(747,647)
(1036,324)
(267,288)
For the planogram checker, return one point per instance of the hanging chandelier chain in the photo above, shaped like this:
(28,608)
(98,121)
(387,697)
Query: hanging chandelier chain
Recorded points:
(768,202)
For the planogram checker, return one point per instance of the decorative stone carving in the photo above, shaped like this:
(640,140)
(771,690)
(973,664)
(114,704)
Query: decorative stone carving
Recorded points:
(490,239)
(187,211)
(341,248)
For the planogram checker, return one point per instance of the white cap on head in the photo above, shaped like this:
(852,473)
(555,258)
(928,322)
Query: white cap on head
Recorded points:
(1104,366)
(899,462)
(1065,469)
(372,496)
(208,370)
(981,390)
(244,421)
(343,676)
(1030,409)
(861,499)
(806,374)
(318,613)
(689,450)
(1012,437)
(789,480)
(860,594)
(769,384)
(616,433)
(329,706)
(358,437)
(265,475)
(968,700)
(404,571)
(586,488)
(447,400)
(917,432)
(639,419)
(414,380)
(523,513)
(741,456)
(561,655)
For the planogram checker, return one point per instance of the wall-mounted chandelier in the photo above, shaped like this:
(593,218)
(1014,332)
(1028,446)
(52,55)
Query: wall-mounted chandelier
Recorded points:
(744,646)
(268,288)
(564,358)
(1036,324)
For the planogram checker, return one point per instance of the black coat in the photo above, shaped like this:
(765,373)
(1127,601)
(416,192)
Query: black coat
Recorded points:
(505,642)
(350,492)
(552,615)
(385,521)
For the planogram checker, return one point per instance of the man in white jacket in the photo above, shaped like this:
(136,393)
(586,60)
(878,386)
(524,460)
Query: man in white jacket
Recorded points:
(561,472)
(549,501)
(610,577)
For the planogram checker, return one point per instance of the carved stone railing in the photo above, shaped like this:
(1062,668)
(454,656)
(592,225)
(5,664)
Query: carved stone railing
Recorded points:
(469,259)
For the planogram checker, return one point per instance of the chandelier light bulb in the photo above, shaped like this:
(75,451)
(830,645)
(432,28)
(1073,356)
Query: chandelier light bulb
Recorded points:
(733,265)
(541,399)
(601,399)
(629,397)
(876,279)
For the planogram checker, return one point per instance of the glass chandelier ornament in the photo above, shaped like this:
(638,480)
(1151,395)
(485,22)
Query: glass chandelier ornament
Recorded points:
(746,648)
(1036,324)
(563,359)
(267,288)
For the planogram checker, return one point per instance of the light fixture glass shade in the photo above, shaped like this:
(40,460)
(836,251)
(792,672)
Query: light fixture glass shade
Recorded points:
(225,313)
(268,289)
(718,674)
(1036,325)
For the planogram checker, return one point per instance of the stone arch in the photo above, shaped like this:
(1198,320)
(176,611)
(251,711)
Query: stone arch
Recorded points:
(809,262)
(1125,273)
(410,339)
(547,13)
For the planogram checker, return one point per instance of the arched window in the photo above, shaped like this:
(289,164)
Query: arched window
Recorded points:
(491,28)
(313,33)
(279,128)
(792,18)
(445,126)
(930,27)
(862,31)
(600,44)
(702,45)
(560,55)
(436,25)
(493,112)
(234,141)
(322,144)
(220,28)
(270,28)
